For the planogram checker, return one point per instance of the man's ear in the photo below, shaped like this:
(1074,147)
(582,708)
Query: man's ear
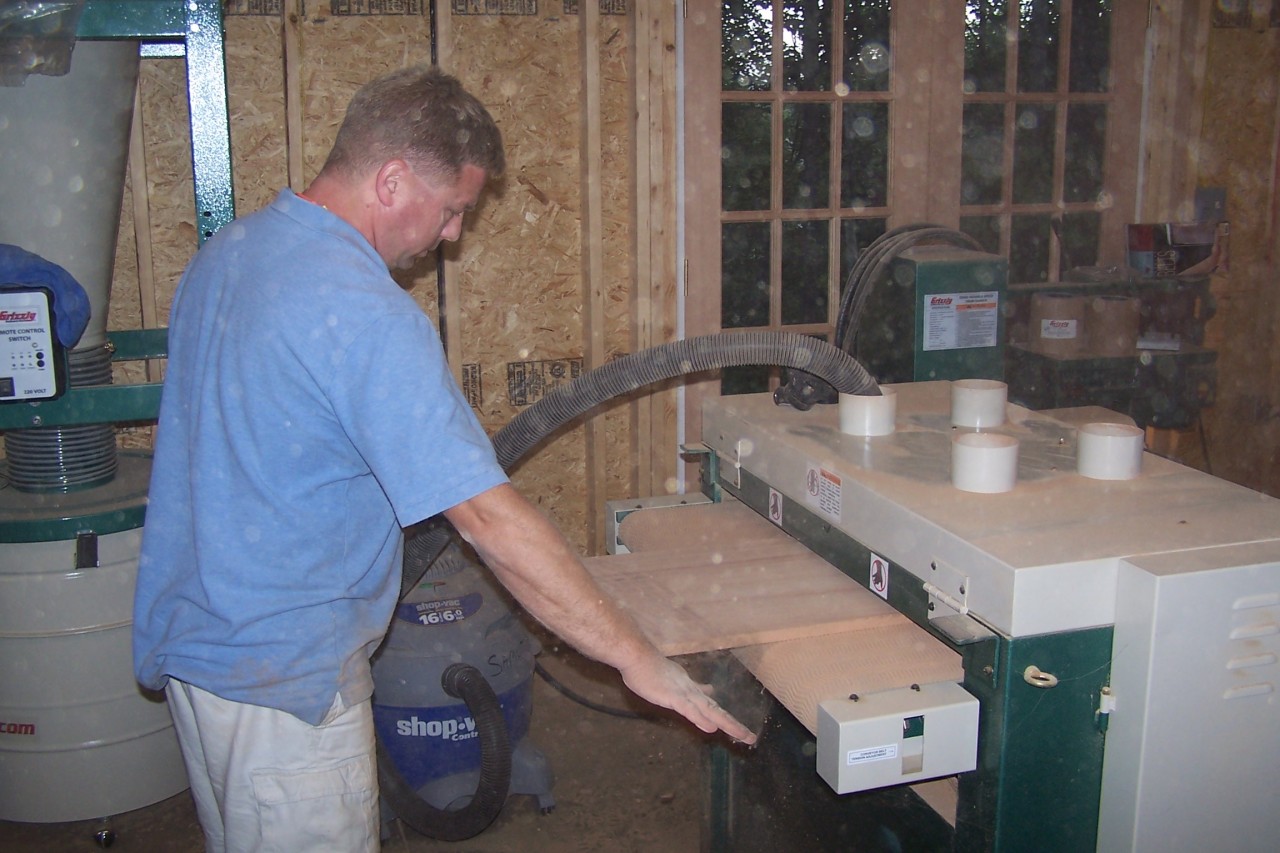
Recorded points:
(390,180)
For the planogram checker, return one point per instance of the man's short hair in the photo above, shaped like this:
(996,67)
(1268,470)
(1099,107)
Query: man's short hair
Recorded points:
(421,115)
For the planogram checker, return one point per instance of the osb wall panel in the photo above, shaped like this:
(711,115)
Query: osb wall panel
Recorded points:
(521,286)
(519,261)
(1237,152)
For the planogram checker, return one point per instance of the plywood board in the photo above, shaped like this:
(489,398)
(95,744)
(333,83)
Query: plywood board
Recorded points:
(702,599)
(714,576)
(805,672)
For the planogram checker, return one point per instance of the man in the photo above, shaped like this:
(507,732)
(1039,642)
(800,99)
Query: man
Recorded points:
(308,416)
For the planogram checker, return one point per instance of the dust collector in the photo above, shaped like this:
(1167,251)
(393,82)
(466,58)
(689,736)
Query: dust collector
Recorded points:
(78,738)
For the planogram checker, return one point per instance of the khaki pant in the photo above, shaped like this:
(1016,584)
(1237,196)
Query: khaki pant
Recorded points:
(264,781)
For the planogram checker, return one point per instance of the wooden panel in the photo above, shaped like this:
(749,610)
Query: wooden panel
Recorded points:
(875,656)
(716,576)
(691,600)
(654,129)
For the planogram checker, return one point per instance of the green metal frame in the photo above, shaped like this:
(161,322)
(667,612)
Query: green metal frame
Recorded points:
(192,29)
(1040,750)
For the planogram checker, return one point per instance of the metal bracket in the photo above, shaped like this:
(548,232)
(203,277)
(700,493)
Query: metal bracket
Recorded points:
(616,511)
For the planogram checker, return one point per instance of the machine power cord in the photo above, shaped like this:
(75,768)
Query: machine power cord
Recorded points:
(574,696)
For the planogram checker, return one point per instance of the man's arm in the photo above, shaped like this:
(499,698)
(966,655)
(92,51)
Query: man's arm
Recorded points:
(535,562)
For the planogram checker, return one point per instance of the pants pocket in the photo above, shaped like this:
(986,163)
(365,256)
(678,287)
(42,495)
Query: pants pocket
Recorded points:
(329,809)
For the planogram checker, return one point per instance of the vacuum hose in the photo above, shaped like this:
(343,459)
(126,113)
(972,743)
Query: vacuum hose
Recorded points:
(465,682)
(631,372)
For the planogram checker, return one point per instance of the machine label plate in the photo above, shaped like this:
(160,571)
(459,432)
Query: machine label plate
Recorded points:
(961,320)
(872,753)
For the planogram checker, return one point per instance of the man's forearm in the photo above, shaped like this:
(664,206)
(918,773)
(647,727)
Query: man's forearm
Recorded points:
(540,568)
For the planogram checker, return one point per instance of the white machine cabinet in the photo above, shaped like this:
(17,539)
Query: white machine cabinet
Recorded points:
(1193,750)
(1134,624)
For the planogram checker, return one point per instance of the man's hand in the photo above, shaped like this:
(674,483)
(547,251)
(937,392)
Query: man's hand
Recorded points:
(664,682)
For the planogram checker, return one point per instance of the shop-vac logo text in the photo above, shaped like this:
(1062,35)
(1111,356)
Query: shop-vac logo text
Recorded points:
(17,728)
(450,730)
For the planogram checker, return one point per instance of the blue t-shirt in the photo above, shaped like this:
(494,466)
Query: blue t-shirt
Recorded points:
(308,414)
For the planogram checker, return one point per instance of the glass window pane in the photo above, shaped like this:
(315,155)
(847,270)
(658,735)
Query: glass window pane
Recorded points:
(855,236)
(806,45)
(744,274)
(984,229)
(750,379)
(806,155)
(864,166)
(805,271)
(1086,151)
(746,45)
(1033,139)
(744,156)
(866,46)
(985,24)
(1080,240)
(1038,23)
(982,154)
(1090,69)
(1029,248)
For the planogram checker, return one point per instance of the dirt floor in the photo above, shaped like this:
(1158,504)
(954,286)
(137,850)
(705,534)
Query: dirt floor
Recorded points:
(622,785)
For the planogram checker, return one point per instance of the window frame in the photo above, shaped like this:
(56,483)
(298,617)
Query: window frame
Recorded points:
(925,136)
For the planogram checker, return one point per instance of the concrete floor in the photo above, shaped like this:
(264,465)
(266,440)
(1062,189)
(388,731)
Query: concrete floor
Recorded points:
(627,786)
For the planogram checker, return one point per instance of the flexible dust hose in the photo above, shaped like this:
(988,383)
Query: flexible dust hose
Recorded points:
(465,682)
(871,267)
(637,370)
(679,358)
(873,264)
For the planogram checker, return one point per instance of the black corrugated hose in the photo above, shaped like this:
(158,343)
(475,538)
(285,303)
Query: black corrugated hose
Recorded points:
(629,373)
(465,682)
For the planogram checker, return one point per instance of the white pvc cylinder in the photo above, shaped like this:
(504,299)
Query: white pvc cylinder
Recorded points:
(978,403)
(1106,451)
(864,415)
(984,462)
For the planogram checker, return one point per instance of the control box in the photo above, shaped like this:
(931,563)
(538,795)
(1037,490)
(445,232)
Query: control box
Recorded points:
(893,737)
(32,362)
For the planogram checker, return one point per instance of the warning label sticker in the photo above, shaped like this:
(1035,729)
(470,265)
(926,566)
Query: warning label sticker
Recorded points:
(961,320)
(822,492)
